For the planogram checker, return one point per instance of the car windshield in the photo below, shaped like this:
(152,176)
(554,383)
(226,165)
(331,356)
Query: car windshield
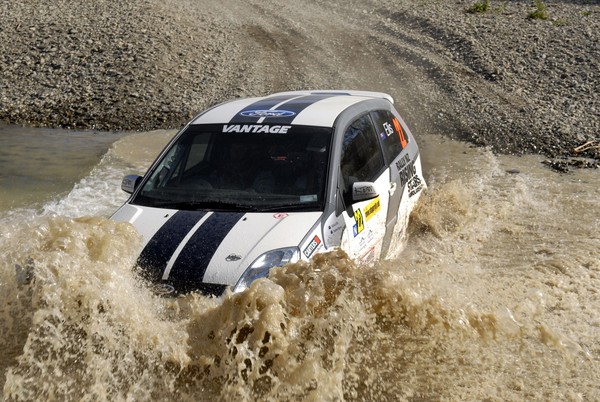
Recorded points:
(242,167)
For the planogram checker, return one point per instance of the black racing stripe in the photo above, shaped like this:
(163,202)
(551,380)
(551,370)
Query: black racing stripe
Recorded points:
(155,256)
(196,255)
(296,106)
(263,104)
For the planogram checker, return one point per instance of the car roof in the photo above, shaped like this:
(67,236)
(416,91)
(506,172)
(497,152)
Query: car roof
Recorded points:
(310,108)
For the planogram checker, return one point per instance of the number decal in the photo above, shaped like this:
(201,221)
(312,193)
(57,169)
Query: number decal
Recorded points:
(360,224)
(398,127)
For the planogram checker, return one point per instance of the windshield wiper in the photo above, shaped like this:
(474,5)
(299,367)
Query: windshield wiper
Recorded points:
(213,205)
(290,207)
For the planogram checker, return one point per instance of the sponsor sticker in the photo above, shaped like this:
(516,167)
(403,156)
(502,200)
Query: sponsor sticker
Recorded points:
(372,208)
(312,246)
(280,215)
(268,113)
(363,190)
(400,163)
(367,238)
(332,229)
(368,257)
(406,174)
(233,257)
(414,185)
(389,130)
(255,128)
(308,198)
(359,224)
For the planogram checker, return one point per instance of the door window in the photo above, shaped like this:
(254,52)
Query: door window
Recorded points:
(362,159)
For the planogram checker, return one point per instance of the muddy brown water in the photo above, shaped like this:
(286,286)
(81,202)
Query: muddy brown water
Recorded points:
(496,297)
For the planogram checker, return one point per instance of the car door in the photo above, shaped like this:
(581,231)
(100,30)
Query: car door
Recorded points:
(362,160)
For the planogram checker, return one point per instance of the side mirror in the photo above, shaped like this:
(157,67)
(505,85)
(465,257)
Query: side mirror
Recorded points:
(363,190)
(130,183)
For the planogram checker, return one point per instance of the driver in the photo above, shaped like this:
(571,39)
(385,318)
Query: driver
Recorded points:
(245,167)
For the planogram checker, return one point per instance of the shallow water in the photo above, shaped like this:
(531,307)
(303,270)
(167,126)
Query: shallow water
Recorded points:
(496,297)
(36,165)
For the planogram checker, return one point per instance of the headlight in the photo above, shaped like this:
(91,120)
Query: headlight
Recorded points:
(261,266)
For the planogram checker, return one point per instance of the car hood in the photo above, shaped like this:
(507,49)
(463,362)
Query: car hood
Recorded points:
(207,246)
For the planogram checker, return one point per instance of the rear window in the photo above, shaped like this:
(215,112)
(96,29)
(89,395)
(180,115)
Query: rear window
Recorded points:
(392,135)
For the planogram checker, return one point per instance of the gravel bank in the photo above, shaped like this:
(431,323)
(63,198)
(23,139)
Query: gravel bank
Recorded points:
(519,85)
(106,65)
(497,79)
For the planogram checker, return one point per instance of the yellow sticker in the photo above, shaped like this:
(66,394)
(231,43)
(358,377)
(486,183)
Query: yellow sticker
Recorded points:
(372,208)
(360,224)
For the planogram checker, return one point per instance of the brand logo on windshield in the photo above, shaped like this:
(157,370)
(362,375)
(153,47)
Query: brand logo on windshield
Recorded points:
(255,128)
(267,113)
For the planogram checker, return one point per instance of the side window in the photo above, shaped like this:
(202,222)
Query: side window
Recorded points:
(393,137)
(361,155)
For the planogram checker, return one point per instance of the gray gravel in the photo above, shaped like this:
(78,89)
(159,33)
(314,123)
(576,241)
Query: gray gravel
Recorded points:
(521,85)
(497,79)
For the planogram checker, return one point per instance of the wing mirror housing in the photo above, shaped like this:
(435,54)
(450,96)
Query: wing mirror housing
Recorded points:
(363,190)
(130,183)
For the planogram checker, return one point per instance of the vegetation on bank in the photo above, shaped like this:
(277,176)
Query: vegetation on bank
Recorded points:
(541,11)
(479,7)
(482,7)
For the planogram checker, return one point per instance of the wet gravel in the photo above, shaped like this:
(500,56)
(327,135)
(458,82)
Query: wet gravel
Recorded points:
(499,78)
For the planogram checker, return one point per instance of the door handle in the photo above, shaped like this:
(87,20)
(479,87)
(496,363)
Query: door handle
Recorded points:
(392,189)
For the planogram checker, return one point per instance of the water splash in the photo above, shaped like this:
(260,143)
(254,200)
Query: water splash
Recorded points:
(490,300)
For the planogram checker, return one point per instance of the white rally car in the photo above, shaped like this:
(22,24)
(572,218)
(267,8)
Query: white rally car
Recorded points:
(256,183)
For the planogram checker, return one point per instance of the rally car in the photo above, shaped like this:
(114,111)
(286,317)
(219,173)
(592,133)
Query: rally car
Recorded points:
(256,183)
